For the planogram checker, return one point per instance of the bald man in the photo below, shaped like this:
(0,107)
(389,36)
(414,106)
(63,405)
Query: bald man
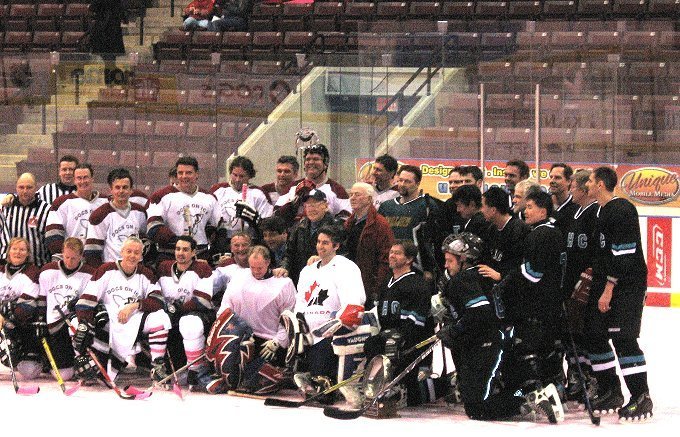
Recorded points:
(24,215)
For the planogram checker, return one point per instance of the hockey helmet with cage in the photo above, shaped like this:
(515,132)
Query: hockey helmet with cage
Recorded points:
(465,244)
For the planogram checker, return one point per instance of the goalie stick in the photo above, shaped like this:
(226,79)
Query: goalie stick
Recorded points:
(55,369)
(25,390)
(100,367)
(276,402)
(337,413)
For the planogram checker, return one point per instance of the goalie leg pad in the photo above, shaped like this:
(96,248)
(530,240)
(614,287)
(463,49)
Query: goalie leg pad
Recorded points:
(230,346)
(298,335)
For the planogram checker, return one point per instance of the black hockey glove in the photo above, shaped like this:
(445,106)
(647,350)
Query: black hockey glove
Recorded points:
(40,327)
(449,333)
(84,337)
(247,213)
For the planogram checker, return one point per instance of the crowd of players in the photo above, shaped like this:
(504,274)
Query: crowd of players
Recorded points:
(299,281)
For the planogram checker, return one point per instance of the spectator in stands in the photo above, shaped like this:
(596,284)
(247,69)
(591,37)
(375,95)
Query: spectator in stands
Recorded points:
(515,171)
(287,168)
(383,170)
(25,215)
(199,14)
(106,36)
(369,239)
(66,185)
(70,214)
(522,190)
(235,14)
(472,175)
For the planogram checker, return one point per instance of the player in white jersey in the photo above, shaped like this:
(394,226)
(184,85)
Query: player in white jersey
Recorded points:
(182,209)
(186,284)
(234,266)
(61,284)
(259,299)
(112,223)
(19,306)
(324,289)
(241,170)
(70,214)
(134,303)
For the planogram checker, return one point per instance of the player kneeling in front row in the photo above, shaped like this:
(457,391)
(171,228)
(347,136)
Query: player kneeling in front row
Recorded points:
(472,330)
(330,301)
(403,308)
(258,299)
(187,286)
(134,303)
(61,284)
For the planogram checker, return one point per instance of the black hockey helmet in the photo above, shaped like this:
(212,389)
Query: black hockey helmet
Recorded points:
(465,244)
(318,149)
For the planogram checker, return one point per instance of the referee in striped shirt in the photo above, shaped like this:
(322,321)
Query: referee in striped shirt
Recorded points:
(66,184)
(25,215)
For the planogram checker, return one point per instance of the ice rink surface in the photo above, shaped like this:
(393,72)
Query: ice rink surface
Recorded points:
(98,411)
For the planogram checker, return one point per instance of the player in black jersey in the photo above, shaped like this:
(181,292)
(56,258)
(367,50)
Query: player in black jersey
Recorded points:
(616,302)
(564,206)
(581,243)
(478,343)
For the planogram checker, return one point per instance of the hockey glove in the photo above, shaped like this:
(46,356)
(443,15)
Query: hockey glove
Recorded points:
(84,337)
(269,348)
(438,308)
(581,292)
(449,333)
(247,213)
(303,188)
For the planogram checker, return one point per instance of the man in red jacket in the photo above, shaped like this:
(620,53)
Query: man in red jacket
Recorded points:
(369,238)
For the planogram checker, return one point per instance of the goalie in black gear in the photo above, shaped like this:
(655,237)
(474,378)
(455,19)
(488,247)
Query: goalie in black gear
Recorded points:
(474,335)
(403,311)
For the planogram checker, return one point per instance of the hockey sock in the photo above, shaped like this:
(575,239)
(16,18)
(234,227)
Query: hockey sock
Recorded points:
(158,340)
(633,365)
(604,366)
(192,355)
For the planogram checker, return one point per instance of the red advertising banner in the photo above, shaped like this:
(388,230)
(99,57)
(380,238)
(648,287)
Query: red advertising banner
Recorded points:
(659,238)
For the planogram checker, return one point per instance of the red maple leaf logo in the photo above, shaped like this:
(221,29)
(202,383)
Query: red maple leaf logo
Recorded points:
(308,293)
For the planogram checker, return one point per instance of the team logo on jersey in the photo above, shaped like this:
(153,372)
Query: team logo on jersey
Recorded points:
(319,298)
(82,230)
(63,300)
(309,292)
(33,222)
(651,185)
(122,301)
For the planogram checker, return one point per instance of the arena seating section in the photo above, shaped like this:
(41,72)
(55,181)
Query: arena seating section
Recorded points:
(609,72)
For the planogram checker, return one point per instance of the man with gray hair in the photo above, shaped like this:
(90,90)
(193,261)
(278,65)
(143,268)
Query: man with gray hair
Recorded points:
(25,215)
(522,191)
(369,239)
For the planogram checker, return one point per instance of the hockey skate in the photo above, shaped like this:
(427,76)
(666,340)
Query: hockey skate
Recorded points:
(353,395)
(311,385)
(158,370)
(547,401)
(199,378)
(637,409)
(607,402)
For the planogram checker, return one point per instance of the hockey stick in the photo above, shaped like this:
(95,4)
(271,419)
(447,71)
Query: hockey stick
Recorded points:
(175,386)
(595,420)
(26,390)
(55,369)
(134,390)
(337,413)
(276,402)
(102,370)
